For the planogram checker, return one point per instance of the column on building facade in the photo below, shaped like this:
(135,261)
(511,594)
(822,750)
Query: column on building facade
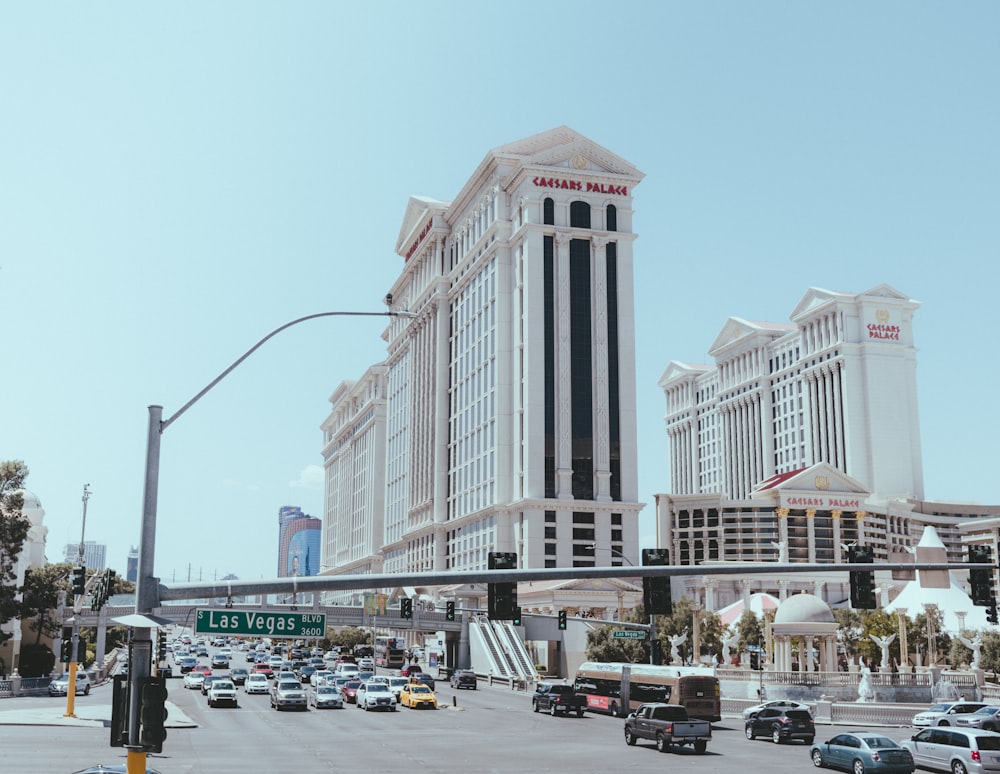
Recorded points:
(711,584)
(860,516)
(838,555)
(904,646)
(838,401)
(442,413)
(782,590)
(806,659)
(601,421)
(564,386)
(782,514)
(745,587)
(818,587)
(811,533)
(831,420)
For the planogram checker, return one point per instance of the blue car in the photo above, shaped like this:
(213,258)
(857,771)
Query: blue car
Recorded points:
(860,753)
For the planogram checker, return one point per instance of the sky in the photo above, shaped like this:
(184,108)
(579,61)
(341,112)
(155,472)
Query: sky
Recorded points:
(179,179)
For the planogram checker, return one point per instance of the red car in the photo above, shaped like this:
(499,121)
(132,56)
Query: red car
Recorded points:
(203,669)
(263,669)
(349,693)
(409,670)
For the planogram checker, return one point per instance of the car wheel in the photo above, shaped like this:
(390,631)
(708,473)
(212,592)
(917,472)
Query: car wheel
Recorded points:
(858,767)
(614,709)
(552,710)
(700,745)
(86,691)
(809,740)
(958,768)
(776,735)
(943,723)
(534,706)
(662,744)
(749,731)
(817,757)
(579,713)
(629,737)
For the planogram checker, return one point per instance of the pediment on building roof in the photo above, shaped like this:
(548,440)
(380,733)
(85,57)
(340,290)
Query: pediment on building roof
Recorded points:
(821,477)
(564,148)
(885,291)
(418,210)
(738,332)
(344,388)
(814,299)
(593,585)
(677,371)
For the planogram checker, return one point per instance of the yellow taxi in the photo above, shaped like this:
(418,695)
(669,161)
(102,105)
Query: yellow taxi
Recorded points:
(417,696)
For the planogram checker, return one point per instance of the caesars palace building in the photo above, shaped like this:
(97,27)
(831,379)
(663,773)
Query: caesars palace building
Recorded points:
(503,417)
(801,439)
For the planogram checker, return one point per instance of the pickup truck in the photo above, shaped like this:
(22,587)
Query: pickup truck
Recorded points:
(667,725)
(558,698)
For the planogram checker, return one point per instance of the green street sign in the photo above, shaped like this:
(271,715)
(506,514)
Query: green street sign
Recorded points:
(259,623)
(629,634)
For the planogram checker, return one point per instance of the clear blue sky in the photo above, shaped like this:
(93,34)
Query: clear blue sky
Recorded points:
(178,179)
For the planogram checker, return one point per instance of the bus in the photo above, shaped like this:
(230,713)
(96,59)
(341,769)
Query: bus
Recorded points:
(619,688)
(390,652)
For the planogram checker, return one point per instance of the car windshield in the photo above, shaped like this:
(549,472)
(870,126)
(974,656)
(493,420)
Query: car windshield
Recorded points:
(223,685)
(288,686)
(326,689)
(377,688)
(420,689)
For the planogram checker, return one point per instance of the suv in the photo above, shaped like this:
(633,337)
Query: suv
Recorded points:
(222,692)
(558,698)
(288,693)
(60,686)
(954,749)
(782,724)
(375,695)
(464,678)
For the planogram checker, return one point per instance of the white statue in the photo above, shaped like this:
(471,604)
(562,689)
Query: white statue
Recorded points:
(866,687)
(782,546)
(884,643)
(976,646)
(675,642)
(728,641)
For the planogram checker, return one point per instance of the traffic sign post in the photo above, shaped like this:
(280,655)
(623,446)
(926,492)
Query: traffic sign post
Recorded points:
(629,634)
(259,623)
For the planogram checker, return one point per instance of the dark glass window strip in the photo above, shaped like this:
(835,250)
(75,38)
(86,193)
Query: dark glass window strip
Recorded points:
(581,369)
(550,368)
(614,384)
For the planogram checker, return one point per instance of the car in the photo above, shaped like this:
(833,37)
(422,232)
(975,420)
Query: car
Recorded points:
(364,676)
(219,661)
(464,678)
(417,696)
(205,670)
(375,696)
(60,686)
(238,675)
(424,678)
(958,750)
(209,680)
(256,683)
(937,714)
(288,694)
(987,718)
(349,691)
(187,663)
(325,696)
(318,662)
(222,691)
(409,670)
(305,673)
(781,724)
(320,676)
(861,753)
(194,680)
(396,685)
(749,712)
(263,669)
(366,663)
(286,674)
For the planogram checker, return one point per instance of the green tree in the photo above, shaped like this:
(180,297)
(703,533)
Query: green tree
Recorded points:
(602,646)
(750,629)
(40,601)
(14,528)
(350,636)
(991,652)
(880,624)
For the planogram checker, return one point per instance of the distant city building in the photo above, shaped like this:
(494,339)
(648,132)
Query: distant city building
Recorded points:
(95,555)
(299,543)
(132,573)
(504,415)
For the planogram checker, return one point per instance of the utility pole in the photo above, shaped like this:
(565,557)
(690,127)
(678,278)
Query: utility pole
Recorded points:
(74,655)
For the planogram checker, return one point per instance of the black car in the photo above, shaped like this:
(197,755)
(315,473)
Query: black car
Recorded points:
(238,675)
(464,678)
(424,678)
(782,724)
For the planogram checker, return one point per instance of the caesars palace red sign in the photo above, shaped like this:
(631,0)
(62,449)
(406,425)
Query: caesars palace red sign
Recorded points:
(576,185)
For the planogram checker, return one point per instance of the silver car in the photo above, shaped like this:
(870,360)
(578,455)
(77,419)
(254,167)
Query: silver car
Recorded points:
(937,714)
(959,750)
(987,718)
(60,686)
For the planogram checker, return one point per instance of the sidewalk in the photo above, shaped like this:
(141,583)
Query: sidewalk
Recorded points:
(91,716)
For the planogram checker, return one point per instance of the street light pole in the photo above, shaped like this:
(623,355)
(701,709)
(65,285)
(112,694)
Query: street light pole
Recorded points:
(147,595)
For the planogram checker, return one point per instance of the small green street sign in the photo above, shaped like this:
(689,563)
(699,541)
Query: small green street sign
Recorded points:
(259,623)
(629,634)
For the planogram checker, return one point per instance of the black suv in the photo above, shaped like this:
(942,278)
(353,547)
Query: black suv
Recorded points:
(464,678)
(782,724)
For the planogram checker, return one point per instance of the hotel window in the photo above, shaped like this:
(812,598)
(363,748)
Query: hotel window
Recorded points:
(549,212)
(579,215)
(612,218)
(550,549)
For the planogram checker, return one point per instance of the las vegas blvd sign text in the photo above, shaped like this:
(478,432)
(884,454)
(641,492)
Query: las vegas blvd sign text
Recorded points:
(259,623)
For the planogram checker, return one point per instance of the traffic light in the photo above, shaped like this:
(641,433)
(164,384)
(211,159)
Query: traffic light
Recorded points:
(161,647)
(562,620)
(152,713)
(862,581)
(406,607)
(119,711)
(655,652)
(981,581)
(79,580)
(991,614)
(656,590)
(66,651)
(97,595)
(449,611)
(517,617)
(502,597)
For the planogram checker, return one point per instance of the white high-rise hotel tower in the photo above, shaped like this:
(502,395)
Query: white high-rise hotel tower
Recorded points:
(504,416)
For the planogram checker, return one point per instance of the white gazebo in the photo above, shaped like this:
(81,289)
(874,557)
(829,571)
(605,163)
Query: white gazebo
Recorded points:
(808,617)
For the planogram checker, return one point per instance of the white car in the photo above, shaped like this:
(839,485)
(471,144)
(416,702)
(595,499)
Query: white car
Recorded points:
(366,664)
(937,714)
(60,686)
(257,683)
(750,712)
(222,692)
(194,680)
(376,696)
(396,685)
